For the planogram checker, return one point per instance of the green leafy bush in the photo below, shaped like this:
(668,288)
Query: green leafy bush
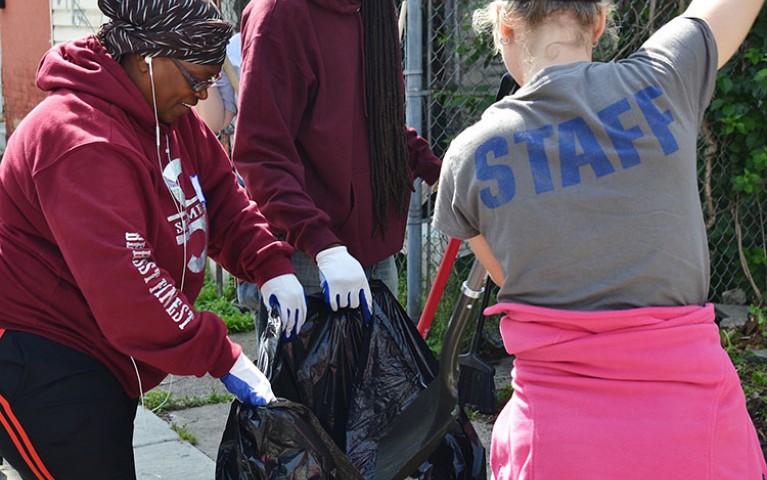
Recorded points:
(235,319)
(738,118)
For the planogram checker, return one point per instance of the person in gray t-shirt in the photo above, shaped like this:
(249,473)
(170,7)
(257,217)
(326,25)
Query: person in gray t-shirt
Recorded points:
(582,184)
(578,193)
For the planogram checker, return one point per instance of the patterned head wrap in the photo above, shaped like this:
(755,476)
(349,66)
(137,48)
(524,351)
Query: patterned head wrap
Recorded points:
(190,30)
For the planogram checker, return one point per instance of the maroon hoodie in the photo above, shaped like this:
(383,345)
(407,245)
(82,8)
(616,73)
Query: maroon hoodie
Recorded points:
(301,140)
(104,237)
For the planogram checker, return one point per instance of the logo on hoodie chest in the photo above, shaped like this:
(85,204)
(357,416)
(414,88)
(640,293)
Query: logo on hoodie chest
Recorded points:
(190,217)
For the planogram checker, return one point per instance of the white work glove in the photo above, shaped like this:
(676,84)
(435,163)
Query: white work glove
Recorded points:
(287,294)
(248,384)
(344,283)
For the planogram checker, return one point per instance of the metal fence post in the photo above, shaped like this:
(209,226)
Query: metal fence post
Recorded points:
(414,118)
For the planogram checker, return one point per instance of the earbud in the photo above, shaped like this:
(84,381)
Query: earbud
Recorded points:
(148,60)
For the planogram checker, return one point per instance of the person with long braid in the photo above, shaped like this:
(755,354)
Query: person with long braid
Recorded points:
(113,193)
(321,141)
(578,193)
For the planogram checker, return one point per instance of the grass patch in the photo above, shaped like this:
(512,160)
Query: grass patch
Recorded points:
(741,344)
(446,306)
(183,433)
(502,395)
(159,401)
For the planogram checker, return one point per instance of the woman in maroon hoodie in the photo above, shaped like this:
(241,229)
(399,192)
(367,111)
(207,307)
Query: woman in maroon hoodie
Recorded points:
(113,194)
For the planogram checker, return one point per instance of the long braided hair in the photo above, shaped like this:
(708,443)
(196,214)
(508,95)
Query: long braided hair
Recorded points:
(390,175)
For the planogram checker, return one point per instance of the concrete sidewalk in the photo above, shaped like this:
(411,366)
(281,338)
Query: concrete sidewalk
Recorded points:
(160,453)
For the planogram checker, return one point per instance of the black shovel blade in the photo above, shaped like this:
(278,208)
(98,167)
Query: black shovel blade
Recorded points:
(420,427)
(418,430)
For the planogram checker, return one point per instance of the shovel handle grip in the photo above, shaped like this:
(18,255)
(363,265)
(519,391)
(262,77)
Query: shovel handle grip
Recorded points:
(440,280)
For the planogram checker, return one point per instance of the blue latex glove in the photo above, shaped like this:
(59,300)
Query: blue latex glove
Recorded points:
(344,283)
(287,294)
(246,382)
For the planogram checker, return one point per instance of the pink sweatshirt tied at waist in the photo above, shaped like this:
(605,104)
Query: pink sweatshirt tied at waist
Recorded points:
(631,394)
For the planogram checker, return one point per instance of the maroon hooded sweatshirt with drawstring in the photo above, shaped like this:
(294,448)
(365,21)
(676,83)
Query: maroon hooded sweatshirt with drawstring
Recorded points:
(104,236)
(301,142)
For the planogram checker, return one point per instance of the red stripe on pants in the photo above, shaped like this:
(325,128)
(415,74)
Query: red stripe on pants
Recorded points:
(21,440)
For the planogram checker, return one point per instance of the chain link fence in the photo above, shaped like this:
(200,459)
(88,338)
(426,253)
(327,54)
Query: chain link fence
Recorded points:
(461,76)
(231,10)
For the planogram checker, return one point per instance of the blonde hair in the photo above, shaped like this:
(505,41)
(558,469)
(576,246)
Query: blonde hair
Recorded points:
(527,15)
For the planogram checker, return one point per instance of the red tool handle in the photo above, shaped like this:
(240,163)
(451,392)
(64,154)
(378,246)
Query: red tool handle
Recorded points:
(435,294)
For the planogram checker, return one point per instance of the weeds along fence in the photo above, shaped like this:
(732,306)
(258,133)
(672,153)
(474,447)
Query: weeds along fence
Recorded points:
(452,76)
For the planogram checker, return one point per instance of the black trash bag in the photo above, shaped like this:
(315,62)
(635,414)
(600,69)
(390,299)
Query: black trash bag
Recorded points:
(356,376)
(283,441)
(449,461)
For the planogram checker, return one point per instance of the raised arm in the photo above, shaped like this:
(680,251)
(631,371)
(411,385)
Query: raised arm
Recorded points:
(730,21)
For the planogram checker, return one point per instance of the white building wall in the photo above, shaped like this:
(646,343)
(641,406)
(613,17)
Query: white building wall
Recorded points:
(72,19)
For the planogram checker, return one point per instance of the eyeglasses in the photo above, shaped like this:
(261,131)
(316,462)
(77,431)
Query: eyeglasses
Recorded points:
(197,85)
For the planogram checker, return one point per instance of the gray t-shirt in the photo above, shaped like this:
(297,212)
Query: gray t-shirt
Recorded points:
(584,181)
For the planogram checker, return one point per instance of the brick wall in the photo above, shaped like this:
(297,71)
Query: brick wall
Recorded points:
(25,35)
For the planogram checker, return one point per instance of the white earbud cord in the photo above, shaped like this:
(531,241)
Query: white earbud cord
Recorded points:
(180,209)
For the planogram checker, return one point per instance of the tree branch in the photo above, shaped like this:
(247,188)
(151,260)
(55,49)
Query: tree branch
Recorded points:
(741,254)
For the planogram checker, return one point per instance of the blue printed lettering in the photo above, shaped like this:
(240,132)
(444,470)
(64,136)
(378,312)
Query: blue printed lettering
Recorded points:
(539,162)
(571,161)
(578,147)
(502,175)
(623,139)
(659,121)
